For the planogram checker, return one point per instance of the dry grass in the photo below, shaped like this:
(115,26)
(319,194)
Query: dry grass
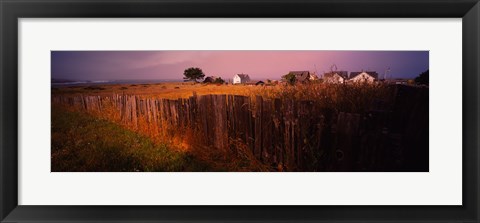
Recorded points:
(100,141)
(162,90)
(81,142)
(354,98)
(349,97)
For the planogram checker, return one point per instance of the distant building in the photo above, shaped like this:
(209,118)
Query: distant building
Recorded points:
(363,77)
(241,79)
(303,76)
(335,77)
(260,83)
(210,79)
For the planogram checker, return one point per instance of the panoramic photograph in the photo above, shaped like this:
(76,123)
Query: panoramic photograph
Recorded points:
(240,111)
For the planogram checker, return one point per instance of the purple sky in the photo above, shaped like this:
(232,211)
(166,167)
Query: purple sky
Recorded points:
(259,64)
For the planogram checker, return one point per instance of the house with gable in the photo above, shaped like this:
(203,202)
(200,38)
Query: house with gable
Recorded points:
(363,77)
(241,79)
(335,77)
(303,76)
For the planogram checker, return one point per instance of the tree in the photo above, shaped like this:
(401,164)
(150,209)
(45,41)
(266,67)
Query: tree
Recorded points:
(289,78)
(219,80)
(193,74)
(422,78)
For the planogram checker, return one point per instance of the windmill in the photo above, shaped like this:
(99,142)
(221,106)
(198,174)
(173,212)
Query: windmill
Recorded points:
(385,75)
(331,68)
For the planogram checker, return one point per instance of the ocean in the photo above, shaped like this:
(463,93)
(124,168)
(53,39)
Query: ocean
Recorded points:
(105,82)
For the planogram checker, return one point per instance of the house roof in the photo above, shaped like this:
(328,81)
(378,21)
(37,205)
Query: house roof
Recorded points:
(343,74)
(301,75)
(243,76)
(371,73)
(209,79)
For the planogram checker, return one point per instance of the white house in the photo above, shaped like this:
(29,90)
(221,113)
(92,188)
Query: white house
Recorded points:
(335,77)
(241,78)
(363,77)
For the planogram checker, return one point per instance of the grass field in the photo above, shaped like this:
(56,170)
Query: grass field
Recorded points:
(85,143)
(81,142)
(350,98)
(163,90)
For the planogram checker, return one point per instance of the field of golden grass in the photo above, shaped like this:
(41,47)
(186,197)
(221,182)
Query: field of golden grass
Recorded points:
(349,98)
(160,90)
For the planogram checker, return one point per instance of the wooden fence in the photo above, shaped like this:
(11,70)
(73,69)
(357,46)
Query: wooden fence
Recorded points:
(292,135)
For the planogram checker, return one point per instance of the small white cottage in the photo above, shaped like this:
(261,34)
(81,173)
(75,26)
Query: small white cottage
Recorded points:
(363,77)
(335,77)
(241,78)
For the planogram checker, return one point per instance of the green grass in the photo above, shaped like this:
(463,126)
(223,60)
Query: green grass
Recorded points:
(81,142)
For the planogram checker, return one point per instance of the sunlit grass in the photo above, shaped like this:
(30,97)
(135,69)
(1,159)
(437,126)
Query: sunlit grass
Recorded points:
(81,142)
(161,90)
(354,98)
(84,142)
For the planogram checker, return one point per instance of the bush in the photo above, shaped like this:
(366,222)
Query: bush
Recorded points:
(422,78)
(289,78)
(219,80)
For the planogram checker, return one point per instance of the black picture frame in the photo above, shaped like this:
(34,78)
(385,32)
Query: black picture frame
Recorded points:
(11,11)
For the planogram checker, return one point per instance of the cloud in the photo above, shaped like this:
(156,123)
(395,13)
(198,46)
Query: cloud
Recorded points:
(169,58)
